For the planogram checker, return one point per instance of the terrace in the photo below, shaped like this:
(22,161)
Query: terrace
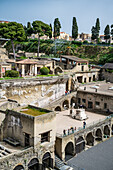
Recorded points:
(32,110)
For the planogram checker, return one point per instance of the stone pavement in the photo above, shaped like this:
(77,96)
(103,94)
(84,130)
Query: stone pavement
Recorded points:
(64,121)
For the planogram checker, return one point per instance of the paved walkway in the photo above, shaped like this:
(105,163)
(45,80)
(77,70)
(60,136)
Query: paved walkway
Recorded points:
(99,157)
(64,121)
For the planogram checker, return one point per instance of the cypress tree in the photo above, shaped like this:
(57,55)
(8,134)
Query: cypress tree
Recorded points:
(50,34)
(112,31)
(57,27)
(97,27)
(74,29)
(107,33)
(95,30)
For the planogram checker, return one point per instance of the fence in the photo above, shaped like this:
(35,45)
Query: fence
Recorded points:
(94,123)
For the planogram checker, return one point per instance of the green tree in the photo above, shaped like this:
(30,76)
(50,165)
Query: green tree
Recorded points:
(57,27)
(97,27)
(29,29)
(95,30)
(112,31)
(12,31)
(41,29)
(107,33)
(50,35)
(74,29)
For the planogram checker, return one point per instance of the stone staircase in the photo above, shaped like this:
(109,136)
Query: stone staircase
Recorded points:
(58,162)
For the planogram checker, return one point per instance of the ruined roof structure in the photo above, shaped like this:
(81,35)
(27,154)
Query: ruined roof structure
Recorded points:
(73,58)
(108,66)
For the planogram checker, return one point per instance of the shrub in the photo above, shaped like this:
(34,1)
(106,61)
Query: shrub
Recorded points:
(44,71)
(11,73)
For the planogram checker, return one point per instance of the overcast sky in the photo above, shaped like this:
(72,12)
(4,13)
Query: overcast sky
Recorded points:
(85,11)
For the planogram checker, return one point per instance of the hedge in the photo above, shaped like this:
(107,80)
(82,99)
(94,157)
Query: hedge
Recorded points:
(44,71)
(11,73)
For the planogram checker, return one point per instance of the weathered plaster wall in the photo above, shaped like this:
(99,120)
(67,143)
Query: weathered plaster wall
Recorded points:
(41,92)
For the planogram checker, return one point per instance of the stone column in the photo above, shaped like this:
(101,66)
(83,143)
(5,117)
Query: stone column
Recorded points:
(23,70)
(30,70)
(35,69)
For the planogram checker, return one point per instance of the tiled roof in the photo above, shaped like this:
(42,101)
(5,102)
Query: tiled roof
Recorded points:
(26,61)
(73,58)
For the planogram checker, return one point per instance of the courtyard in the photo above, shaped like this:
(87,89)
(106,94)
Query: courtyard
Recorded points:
(65,121)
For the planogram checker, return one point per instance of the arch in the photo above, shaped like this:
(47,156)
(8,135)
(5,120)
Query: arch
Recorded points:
(33,164)
(112,129)
(98,134)
(72,84)
(106,131)
(69,151)
(79,144)
(73,101)
(58,69)
(58,108)
(47,161)
(90,139)
(19,167)
(65,104)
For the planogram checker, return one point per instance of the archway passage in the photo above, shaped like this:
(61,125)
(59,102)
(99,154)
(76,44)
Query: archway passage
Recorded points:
(112,130)
(90,139)
(33,164)
(73,102)
(66,104)
(58,70)
(47,161)
(72,84)
(58,108)
(19,167)
(69,151)
(98,135)
(106,131)
(80,145)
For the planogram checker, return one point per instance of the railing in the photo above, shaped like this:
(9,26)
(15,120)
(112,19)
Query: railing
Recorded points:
(94,123)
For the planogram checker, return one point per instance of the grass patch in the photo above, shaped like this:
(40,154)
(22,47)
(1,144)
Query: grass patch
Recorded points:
(49,75)
(33,112)
(9,78)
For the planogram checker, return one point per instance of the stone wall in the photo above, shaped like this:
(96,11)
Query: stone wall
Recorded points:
(33,91)
(94,98)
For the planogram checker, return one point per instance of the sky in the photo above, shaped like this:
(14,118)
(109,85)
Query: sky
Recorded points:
(85,11)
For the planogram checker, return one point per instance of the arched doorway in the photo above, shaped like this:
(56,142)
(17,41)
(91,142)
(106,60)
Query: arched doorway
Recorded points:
(98,135)
(67,85)
(65,104)
(58,108)
(112,130)
(58,70)
(72,84)
(33,164)
(106,131)
(80,144)
(69,151)
(47,161)
(90,139)
(19,167)
(73,102)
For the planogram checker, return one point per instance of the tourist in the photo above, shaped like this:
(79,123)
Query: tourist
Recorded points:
(68,131)
(64,131)
(68,92)
(65,92)
(84,125)
(75,128)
